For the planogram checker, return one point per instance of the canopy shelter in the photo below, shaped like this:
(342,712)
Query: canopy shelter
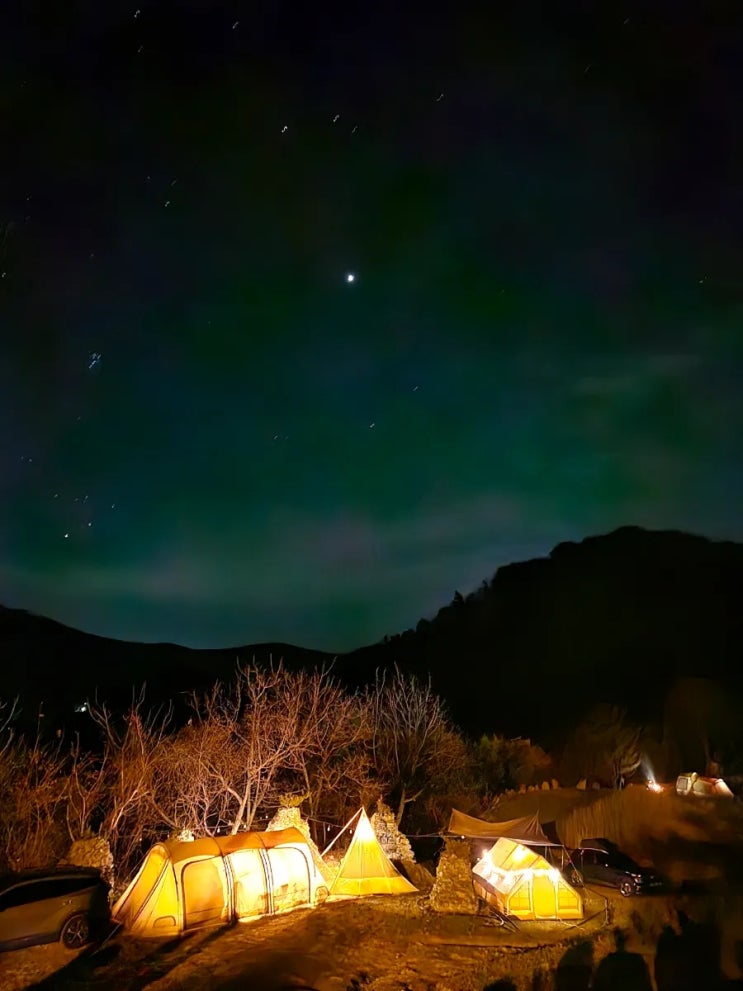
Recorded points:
(366,869)
(518,882)
(183,886)
(526,830)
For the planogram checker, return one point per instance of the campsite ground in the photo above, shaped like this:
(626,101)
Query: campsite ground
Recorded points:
(399,944)
(374,944)
(380,943)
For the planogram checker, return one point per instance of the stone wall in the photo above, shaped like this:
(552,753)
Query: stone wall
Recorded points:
(452,891)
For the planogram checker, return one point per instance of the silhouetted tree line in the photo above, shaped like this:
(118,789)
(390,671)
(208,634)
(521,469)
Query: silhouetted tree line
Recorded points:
(245,746)
(271,733)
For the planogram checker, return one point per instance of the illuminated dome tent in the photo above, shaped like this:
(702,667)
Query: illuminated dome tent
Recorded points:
(517,881)
(183,886)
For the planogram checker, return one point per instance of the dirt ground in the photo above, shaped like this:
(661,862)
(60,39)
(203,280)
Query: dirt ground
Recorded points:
(380,944)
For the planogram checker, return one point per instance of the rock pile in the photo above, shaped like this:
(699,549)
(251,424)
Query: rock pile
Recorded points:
(92,852)
(452,891)
(394,843)
(397,847)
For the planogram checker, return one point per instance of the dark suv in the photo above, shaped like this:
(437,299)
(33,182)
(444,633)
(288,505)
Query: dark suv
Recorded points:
(65,903)
(600,862)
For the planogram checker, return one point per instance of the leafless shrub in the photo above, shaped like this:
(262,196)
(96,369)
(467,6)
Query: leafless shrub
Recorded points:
(415,747)
(131,752)
(32,801)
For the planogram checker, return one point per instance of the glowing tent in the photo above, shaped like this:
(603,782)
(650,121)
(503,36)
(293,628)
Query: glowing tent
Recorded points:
(183,886)
(697,784)
(518,882)
(366,869)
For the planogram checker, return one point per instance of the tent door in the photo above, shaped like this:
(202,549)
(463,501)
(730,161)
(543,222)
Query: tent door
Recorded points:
(205,901)
(289,875)
(250,883)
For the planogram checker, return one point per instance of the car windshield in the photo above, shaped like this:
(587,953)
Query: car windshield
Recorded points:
(622,862)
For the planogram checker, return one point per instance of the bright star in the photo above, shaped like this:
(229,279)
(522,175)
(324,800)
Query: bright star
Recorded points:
(350,277)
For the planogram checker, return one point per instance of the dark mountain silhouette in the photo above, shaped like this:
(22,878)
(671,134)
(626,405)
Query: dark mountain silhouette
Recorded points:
(614,618)
(53,668)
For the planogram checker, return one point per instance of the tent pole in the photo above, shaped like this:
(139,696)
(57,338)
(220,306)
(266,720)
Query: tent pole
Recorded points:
(342,831)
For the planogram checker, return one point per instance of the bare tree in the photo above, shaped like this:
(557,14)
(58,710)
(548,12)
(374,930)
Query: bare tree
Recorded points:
(196,773)
(86,791)
(132,750)
(605,745)
(8,711)
(415,748)
(334,737)
(32,802)
(258,722)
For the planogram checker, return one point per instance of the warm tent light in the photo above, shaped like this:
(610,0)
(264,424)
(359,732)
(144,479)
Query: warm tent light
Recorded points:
(364,829)
(520,853)
(520,882)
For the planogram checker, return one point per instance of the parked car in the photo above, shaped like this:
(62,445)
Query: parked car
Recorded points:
(600,862)
(68,904)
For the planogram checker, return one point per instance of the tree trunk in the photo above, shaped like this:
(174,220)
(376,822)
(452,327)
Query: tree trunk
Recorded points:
(401,807)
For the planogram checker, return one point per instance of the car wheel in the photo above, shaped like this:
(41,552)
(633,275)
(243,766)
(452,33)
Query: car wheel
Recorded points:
(627,888)
(75,932)
(575,877)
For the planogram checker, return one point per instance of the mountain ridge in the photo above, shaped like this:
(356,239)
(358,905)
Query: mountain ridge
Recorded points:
(613,617)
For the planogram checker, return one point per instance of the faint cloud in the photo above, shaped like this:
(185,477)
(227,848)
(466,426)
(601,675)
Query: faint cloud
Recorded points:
(638,376)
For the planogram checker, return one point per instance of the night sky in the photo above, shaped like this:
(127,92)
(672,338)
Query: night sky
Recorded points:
(312,314)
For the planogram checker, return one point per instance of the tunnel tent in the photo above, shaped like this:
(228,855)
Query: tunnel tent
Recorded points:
(365,868)
(182,886)
(516,881)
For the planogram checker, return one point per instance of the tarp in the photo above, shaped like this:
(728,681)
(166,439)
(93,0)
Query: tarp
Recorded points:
(211,881)
(519,882)
(596,843)
(526,830)
(366,869)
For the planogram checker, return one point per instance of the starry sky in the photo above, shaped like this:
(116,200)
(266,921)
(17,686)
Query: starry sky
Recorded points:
(312,314)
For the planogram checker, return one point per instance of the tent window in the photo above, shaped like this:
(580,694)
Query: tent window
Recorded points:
(203,894)
(291,878)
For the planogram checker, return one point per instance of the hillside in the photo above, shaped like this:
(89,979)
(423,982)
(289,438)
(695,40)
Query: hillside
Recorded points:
(45,661)
(614,618)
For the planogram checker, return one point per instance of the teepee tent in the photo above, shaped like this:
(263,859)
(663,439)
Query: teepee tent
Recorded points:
(366,869)
(517,881)
(183,886)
